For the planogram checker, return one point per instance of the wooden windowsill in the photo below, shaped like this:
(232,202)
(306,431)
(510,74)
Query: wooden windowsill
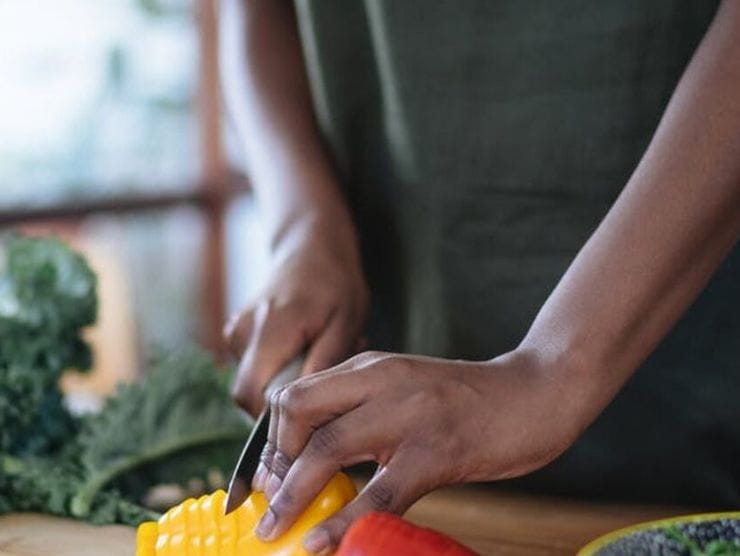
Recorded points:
(203,194)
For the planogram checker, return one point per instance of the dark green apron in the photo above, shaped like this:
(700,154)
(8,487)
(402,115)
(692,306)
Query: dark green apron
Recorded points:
(480,143)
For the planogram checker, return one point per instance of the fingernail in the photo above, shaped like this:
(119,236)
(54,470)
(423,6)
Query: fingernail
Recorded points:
(258,481)
(273,485)
(317,541)
(266,525)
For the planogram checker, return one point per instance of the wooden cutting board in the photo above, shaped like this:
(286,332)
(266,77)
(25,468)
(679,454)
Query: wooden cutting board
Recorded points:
(488,520)
(43,535)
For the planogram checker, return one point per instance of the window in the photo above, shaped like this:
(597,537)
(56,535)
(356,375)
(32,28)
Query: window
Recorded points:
(97,98)
(111,138)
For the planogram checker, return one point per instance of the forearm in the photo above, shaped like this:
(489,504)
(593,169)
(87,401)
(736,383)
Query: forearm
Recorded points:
(671,227)
(269,101)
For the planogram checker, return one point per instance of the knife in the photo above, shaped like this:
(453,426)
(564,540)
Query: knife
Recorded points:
(241,480)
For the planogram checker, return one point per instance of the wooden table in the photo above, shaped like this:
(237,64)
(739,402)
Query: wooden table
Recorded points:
(501,522)
(487,520)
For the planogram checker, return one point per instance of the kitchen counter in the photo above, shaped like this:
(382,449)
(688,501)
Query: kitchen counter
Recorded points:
(488,520)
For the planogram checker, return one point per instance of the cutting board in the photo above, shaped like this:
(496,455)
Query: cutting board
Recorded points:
(43,535)
(488,520)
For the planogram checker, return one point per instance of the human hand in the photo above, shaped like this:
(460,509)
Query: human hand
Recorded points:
(315,300)
(427,422)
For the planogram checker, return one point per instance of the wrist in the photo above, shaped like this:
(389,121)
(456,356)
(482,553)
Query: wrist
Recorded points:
(316,228)
(569,382)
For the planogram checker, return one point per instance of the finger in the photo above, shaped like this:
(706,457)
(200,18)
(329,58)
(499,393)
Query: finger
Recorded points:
(275,340)
(394,489)
(262,474)
(237,331)
(357,436)
(332,345)
(275,464)
(310,402)
(264,468)
(294,426)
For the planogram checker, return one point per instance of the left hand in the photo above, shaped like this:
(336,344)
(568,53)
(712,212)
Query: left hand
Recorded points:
(427,422)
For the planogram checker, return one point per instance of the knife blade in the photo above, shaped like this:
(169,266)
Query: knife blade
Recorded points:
(240,485)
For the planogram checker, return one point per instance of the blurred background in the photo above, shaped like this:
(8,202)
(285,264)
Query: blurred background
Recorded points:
(112,137)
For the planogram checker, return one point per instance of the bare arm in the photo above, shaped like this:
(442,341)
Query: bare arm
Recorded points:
(268,97)
(673,224)
(430,422)
(315,299)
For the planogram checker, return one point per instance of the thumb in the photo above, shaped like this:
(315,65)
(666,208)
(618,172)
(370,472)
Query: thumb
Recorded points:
(392,489)
(275,340)
(237,332)
(332,345)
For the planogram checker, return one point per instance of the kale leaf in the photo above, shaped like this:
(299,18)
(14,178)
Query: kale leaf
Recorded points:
(96,467)
(181,404)
(47,295)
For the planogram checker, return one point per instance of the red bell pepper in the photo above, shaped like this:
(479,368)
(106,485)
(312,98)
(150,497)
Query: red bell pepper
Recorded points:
(383,534)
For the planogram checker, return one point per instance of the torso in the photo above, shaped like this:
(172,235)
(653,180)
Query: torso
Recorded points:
(480,143)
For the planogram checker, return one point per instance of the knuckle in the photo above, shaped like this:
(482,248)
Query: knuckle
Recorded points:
(274,399)
(336,526)
(325,442)
(283,504)
(401,365)
(267,455)
(368,358)
(381,496)
(280,464)
(292,400)
(398,364)
(374,355)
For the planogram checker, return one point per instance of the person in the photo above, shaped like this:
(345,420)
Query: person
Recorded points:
(538,198)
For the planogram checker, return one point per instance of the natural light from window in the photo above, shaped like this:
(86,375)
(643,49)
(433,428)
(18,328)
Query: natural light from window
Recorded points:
(96,98)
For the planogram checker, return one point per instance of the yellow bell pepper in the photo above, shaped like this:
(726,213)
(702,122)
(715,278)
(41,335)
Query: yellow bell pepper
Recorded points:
(200,528)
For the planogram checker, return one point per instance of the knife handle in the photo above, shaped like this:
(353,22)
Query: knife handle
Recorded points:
(287,374)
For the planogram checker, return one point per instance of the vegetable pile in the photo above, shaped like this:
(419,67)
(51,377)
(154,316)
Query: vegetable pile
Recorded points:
(177,424)
(709,542)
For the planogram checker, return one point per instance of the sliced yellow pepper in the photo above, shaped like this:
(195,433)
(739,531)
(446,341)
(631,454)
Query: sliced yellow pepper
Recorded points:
(200,528)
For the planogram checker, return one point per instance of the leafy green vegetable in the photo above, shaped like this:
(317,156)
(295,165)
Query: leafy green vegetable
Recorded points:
(47,294)
(47,484)
(177,419)
(148,421)
(712,548)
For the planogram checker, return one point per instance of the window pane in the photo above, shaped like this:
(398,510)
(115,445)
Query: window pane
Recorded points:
(160,257)
(96,98)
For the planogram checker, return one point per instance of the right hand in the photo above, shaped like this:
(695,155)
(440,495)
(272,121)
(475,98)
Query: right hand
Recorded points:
(315,301)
